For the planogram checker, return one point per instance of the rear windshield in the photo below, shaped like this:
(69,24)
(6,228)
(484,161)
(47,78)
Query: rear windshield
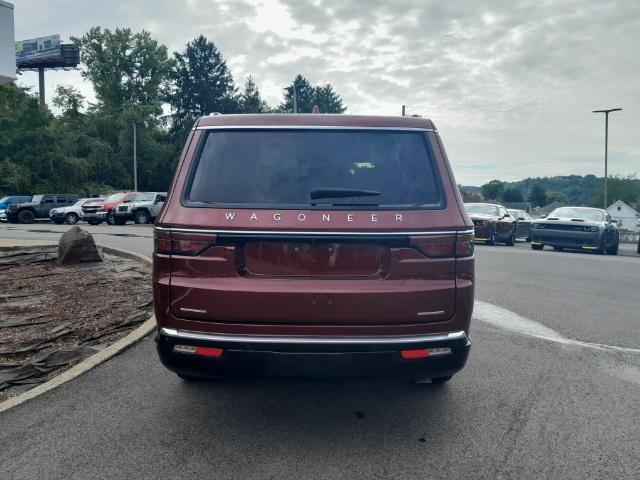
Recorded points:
(283,167)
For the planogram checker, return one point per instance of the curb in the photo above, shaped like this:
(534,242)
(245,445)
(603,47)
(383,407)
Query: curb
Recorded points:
(94,360)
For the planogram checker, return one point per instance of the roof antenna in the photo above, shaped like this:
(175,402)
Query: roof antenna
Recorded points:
(315,109)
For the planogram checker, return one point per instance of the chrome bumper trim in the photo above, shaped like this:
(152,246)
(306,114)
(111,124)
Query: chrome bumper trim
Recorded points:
(311,340)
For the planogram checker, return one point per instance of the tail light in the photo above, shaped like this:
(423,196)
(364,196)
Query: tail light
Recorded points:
(444,246)
(178,243)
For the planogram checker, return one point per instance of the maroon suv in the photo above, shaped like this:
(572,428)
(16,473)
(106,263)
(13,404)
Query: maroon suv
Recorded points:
(314,245)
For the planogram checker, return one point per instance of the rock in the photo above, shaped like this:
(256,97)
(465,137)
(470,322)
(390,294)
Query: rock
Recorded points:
(77,246)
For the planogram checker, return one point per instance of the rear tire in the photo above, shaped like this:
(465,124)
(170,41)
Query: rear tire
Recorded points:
(141,217)
(26,216)
(111,218)
(71,218)
(536,247)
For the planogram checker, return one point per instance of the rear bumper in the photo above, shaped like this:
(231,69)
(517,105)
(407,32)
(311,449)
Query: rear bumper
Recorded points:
(361,357)
(98,216)
(123,215)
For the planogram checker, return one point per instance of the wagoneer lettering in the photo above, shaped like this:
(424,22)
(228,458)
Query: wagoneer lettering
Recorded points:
(347,249)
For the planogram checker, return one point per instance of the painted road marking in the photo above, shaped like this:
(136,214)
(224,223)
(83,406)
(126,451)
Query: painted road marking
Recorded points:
(507,320)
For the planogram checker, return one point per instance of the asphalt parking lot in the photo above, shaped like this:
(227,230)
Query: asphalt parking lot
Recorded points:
(550,391)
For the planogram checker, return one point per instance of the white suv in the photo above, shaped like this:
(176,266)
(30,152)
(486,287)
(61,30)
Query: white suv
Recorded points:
(144,209)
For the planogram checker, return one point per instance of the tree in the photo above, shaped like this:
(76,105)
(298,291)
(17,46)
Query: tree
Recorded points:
(492,190)
(201,83)
(538,195)
(324,96)
(250,99)
(125,68)
(619,187)
(512,194)
(69,100)
(557,197)
(327,100)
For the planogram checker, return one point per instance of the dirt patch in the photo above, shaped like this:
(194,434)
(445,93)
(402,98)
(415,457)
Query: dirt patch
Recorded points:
(52,316)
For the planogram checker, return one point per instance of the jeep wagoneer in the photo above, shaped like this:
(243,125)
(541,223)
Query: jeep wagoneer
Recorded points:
(314,245)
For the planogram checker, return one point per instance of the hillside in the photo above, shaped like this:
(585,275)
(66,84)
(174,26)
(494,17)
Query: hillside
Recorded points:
(576,189)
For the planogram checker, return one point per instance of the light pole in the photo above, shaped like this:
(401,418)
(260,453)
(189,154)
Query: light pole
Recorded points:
(606,146)
(294,94)
(135,157)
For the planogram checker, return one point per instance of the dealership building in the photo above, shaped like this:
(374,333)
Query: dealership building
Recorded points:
(7,44)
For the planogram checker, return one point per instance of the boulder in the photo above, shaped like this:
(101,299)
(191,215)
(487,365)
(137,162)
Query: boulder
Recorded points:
(77,246)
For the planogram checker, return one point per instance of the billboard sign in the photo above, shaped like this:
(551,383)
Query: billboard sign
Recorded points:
(46,52)
(40,48)
(7,59)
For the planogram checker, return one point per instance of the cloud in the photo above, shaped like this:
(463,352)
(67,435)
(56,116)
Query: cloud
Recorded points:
(510,84)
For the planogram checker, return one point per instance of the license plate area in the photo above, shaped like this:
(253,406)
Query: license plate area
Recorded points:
(313,259)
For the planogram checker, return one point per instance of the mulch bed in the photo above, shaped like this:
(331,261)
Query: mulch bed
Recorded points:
(53,316)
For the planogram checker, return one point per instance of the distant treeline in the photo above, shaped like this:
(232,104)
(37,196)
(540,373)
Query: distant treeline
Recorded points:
(88,147)
(570,189)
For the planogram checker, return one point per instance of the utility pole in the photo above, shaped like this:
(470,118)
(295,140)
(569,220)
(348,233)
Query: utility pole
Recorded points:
(404,110)
(295,99)
(43,105)
(606,147)
(135,158)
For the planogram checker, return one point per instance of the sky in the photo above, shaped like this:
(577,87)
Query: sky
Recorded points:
(510,84)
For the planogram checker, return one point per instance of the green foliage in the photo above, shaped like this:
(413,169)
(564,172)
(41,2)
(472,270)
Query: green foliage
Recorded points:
(201,84)
(125,68)
(619,187)
(512,194)
(324,96)
(250,99)
(538,196)
(557,197)
(492,190)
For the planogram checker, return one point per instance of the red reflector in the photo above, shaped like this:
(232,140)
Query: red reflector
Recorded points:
(408,354)
(208,351)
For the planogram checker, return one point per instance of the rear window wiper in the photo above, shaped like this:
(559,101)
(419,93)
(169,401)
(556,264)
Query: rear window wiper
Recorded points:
(341,193)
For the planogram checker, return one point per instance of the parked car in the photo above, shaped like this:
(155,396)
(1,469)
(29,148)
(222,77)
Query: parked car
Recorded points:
(314,245)
(523,223)
(107,213)
(39,207)
(93,211)
(10,200)
(581,228)
(144,209)
(69,215)
(492,223)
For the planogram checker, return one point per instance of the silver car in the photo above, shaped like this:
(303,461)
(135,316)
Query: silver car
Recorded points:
(578,228)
